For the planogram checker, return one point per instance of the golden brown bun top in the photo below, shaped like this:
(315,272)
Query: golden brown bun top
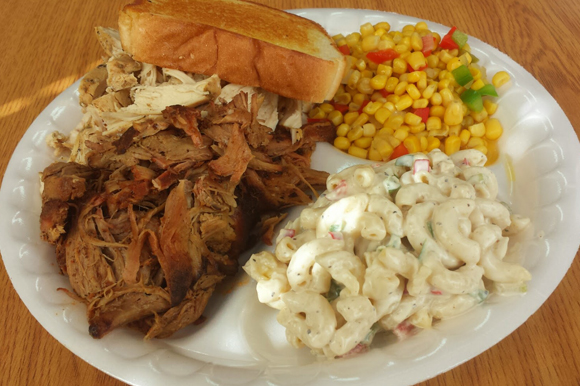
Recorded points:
(248,19)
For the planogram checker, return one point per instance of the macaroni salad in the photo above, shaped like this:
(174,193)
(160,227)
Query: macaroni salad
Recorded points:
(390,247)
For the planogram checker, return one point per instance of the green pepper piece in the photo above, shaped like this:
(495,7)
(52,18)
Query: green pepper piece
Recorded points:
(459,37)
(472,100)
(488,89)
(462,75)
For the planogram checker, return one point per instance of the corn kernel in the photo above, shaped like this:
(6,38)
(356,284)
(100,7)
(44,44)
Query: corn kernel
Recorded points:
(422,134)
(367,29)
(378,97)
(417,128)
(353,38)
(378,82)
(385,132)
(437,111)
(338,37)
(477,85)
(341,143)
(359,98)
(475,141)
(416,42)
(479,116)
(453,114)
(453,64)
(342,130)
(436,99)
(390,106)
(414,77)
(380,32)
(360,64)
(422,83)
(432,61)
(395,121)
(420,103)
(353,79)
(383,147)
(404,77)
(454,130)
(467,121)
(443,132)
(385,44)
(444,56)
(383,25)
(353,107)
(475,73)
(452,144)
(401,48)
(413,91)
(447,98)
(401,134)
(416,60)
(350,117)
(477,130)
(399,66)
(343,99)
(404,103)
(493,129)
(370,43)
(400,89)
(369,130)
(392,83)
(408,28)
(429,90)
(424,143)
(464,135)
(481,148)
(355,133)
(437,38)
(500,78)
(357,152)
(421,26)
(360,120)
(382,114)
(372,107)
(384,70)
(326,107)
(394,142)
(366,74)
(412,143)
(364,86)
(363,142)
(317,113)
(433,143)
(412,119)
(335,117)
(393,98)
(489,106)
(433,123)
(374,154)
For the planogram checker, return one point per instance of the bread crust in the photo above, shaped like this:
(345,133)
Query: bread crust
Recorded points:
(171,42)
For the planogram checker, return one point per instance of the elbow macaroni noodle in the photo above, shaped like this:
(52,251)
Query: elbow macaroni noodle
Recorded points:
(390,246)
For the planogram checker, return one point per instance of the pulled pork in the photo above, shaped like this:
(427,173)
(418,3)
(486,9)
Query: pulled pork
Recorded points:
(149,220)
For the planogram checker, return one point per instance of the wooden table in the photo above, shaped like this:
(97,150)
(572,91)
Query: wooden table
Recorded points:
(47,45)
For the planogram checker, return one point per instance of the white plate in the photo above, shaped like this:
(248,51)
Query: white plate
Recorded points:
(241,344)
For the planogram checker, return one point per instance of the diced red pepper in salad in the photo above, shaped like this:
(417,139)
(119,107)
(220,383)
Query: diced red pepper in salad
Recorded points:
(447,42)
(428,44)
(385,93)
(423,113)
(344,49)
(383,55)
(340,107)
(399,151)
(314,120)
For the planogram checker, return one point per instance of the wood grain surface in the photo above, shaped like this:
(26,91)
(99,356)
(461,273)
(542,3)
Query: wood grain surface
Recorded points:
(48,44)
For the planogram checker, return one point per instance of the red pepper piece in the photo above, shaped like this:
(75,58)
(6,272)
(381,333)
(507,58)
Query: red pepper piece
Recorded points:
(340,107)
(314,120)
(382,56)
(428,44)
(385,93)
(423,113)
(365,102)
(344,49)
(399,151)
(447,43)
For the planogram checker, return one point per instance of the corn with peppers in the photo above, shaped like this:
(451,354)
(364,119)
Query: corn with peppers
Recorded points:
(409,91)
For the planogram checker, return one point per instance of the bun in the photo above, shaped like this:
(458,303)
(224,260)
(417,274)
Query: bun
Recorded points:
(242,42)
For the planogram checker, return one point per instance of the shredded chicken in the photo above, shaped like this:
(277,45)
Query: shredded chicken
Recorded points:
(162,188)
